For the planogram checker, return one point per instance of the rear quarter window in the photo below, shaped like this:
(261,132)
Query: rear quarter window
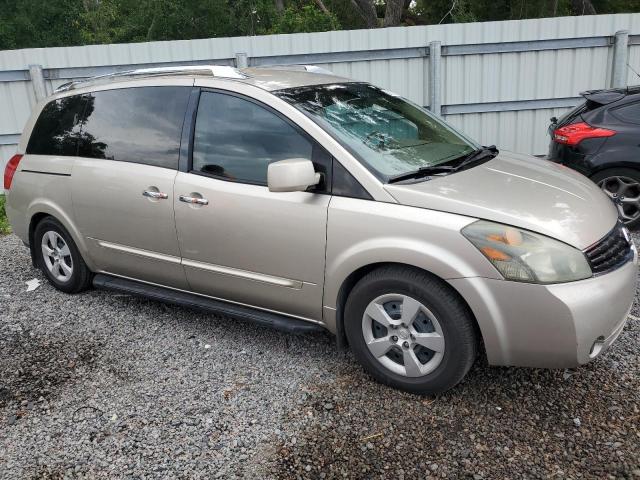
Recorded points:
(57,129)
(139,125)
(628,113)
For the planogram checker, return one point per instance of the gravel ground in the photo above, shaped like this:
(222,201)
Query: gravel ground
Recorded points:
(106,385)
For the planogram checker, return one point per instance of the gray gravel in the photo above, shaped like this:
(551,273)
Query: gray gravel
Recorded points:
(105,385)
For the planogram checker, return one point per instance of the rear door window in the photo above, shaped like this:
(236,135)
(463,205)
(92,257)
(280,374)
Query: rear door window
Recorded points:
(139,125)
(57,129)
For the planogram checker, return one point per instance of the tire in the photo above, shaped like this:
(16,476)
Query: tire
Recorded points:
(72,275)
(622,184)
(441,312)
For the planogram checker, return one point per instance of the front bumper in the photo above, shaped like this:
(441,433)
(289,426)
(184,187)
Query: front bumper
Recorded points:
(550,326)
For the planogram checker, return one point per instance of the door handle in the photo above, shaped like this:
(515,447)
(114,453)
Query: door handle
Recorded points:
(157,195)
(193,200)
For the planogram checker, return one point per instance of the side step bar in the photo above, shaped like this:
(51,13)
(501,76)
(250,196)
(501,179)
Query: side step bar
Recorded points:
(197,302)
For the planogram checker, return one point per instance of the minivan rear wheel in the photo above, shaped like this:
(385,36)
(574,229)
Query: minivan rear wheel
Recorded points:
(58,257)
(410,330)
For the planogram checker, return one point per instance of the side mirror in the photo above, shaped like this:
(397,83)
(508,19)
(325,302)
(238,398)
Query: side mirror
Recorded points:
(292,175)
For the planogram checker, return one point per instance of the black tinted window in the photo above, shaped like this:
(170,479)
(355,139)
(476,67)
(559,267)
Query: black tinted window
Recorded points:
(57,128)
(345,185)
(238,139)
(628,113)
(140,125)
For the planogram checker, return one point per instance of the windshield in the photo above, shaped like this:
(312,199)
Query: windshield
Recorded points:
(388,134)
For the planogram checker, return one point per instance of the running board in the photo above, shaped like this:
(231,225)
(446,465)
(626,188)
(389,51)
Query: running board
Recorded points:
(197,302)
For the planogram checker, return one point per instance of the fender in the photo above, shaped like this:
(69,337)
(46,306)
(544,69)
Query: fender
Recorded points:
(361,233)
(47,206)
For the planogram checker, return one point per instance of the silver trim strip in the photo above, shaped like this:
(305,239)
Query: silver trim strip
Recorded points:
(9,138)
(137,251)
(234,272)
(511,105)
(310,320)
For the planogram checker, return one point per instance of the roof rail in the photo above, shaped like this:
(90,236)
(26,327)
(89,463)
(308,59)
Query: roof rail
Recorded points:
(299,68)
(209,70)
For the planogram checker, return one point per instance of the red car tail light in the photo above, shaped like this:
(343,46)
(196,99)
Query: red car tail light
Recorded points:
(576,132)
(10,170)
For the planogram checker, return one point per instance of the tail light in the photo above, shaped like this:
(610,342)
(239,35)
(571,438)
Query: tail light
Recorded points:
(573,134)
(10,170)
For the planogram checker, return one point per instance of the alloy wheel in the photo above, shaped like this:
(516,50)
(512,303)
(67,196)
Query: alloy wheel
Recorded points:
(57,256)
(625,193)
(403,335)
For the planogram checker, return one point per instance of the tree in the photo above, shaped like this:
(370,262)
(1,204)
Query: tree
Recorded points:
(583,7)
(38,23)
(393,13)
(50,23)
(308,18)
(367,10)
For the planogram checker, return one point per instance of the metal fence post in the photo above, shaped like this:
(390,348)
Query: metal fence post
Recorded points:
(242,61)
(620,59)
(435,78)
(37,81)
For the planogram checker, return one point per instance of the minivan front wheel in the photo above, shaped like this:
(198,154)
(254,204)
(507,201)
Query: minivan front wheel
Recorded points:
(409,330)
(58,257)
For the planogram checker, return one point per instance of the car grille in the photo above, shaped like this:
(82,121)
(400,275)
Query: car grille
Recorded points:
(609,253)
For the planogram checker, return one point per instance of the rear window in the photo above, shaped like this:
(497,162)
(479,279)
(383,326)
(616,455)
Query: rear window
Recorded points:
(139,125)
(573,115)
(57,129)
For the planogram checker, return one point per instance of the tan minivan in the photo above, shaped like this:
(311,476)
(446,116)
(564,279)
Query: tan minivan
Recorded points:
(303,200)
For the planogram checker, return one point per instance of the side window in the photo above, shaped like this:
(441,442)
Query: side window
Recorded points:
(139,125)
(628,113)
(237,139)
(57,129)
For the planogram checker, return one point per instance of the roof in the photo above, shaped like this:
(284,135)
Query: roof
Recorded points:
(272,78)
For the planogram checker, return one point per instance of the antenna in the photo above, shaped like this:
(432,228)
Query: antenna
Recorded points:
(631,68)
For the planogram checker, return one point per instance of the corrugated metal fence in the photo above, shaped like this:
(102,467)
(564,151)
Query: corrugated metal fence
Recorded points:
(499,82)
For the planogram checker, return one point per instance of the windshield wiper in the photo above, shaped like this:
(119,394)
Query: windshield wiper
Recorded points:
(476,156)
(473,157)
(422,172)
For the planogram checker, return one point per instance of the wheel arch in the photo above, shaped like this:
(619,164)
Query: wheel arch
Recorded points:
(352,279)
(40,210)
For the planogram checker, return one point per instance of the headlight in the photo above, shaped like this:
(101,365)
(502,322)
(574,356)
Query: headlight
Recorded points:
(525,256)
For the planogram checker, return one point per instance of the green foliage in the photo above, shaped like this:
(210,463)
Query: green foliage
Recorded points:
(50,23)
(39,23)
(4,223)
(305,19)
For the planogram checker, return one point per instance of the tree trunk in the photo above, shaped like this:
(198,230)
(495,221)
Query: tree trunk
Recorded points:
(279,6)
(323,7)
(583,7)
(367,11)
(393,13)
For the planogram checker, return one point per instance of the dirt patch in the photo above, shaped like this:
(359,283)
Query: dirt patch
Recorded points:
(34,368)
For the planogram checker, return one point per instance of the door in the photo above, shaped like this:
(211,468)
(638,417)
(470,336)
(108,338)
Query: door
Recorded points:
(122,184)
(239,241)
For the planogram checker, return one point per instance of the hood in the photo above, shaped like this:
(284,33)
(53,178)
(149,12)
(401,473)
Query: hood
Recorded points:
(522,191)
